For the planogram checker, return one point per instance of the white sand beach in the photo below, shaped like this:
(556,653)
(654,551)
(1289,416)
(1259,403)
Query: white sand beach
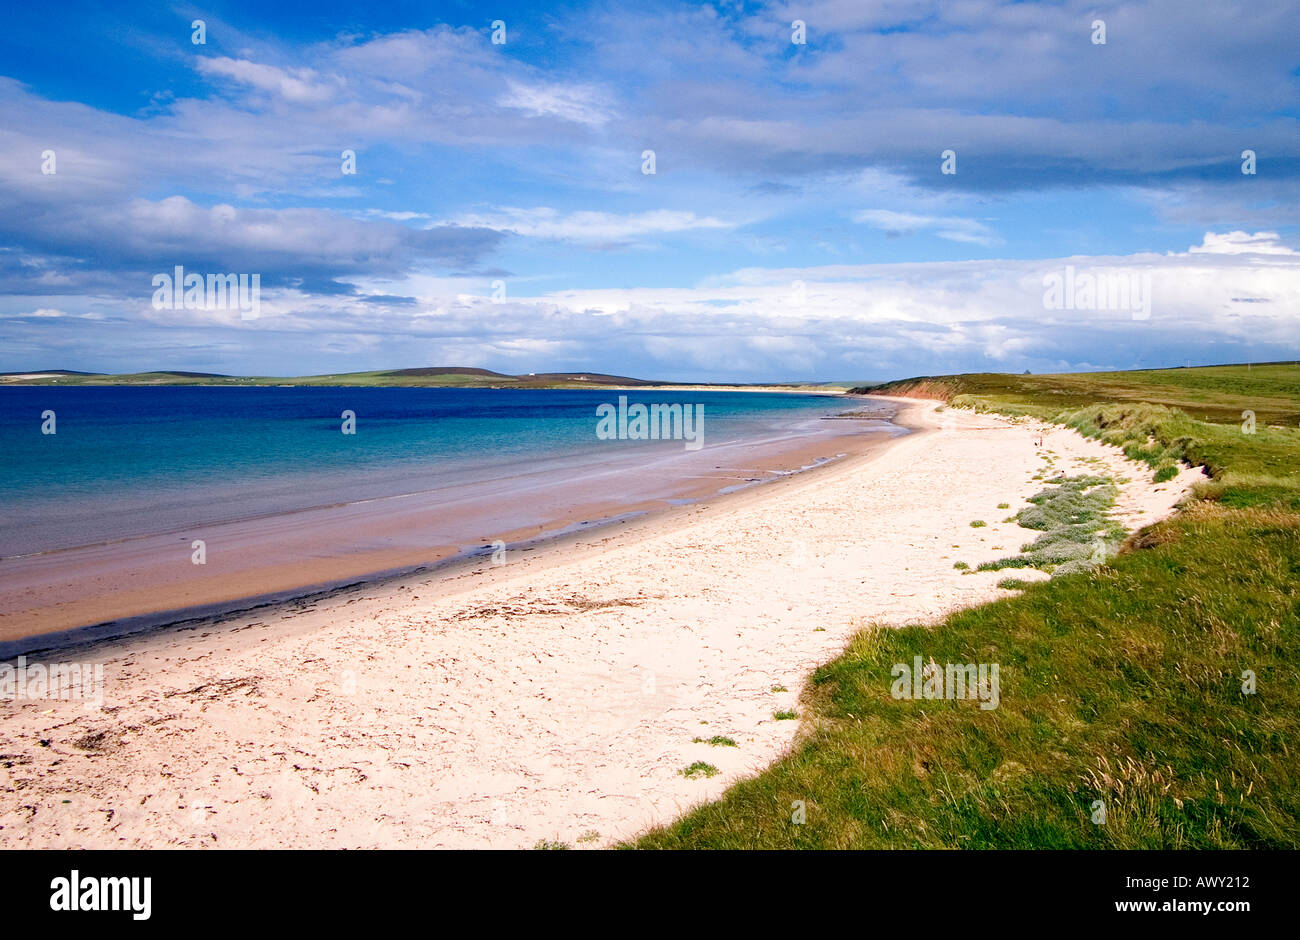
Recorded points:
(555,697)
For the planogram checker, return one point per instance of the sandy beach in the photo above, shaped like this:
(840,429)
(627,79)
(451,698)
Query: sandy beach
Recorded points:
(554,697)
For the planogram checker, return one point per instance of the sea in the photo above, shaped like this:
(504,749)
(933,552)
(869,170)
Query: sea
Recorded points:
(130,461)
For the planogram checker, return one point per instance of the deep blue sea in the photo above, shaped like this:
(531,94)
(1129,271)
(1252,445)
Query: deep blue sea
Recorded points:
(128,461)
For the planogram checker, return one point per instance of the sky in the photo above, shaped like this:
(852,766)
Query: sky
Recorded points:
(915,188)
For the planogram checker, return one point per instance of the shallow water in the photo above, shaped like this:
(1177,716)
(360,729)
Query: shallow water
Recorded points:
(132,461)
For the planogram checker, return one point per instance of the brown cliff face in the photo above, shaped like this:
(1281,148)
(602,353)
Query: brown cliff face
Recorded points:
(910,388)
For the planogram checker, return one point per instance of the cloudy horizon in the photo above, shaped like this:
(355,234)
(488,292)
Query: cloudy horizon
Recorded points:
(896,195)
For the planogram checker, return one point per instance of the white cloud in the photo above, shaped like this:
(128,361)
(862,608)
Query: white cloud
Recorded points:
(396,216)
(852,322)
(589,227)
(1240,243)
(42,313)
(296,85)
(953,228)
(579,104)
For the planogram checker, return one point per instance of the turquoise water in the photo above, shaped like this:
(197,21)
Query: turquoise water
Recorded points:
(131,461)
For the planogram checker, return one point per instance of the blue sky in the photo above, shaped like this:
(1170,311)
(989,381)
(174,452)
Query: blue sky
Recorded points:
(798,224)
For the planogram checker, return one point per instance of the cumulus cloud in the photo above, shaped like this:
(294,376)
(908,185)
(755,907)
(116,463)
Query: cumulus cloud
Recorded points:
(112,248)
(1241,243)
(476,159)
(854,322)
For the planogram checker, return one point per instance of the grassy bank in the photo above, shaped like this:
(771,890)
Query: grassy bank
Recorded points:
(1124,717)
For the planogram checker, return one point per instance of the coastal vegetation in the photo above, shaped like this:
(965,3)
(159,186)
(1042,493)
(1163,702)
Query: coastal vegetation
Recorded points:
(699,769)
(718,740)
(1073,515)
(1149,701)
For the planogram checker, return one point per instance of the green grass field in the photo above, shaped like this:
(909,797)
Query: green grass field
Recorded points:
(1150,702)
(1209,393)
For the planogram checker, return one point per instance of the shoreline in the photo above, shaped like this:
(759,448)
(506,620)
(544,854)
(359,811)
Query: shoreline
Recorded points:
(84,615)
(553,697)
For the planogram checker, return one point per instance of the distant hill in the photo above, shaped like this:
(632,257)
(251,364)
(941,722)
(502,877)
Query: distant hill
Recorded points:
(425,377)
(44,372)
(422,377)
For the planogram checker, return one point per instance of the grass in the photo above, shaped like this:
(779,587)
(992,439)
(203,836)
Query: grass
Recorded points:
(1122,683)
(697,770)
(785,715)
(718,740)
(961,566)
(1073,515)
(978,523)
(1216,394)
